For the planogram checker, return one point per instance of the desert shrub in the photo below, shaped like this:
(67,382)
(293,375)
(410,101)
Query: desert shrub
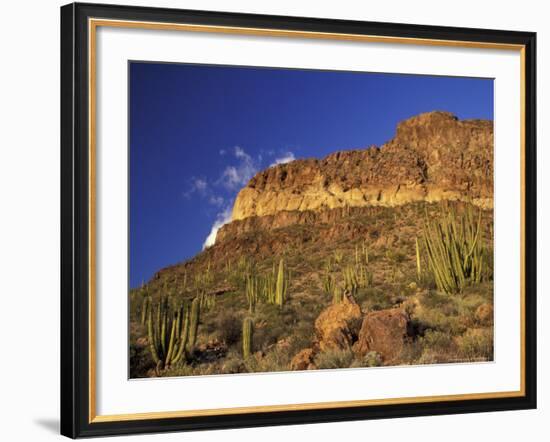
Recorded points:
(180,370)
(375,299)
(232,364)
(334,359)
(437,349)
(434,299)
(277,359)
(477,344)
(411,352)
(395,256)
(437,319)
(473,297)
(371,359)
(429,357)
(274,323)
(140,361)
(228,328)
(436,340)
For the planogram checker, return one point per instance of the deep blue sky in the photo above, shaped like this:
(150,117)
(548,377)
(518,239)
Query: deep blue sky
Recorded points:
(198,133)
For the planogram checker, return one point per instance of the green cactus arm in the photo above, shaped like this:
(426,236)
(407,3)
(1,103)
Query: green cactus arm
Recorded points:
(247,337)
(171,343)
(194,322)
(150,334)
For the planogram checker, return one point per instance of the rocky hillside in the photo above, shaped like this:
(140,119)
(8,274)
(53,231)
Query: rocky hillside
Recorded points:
(350,231)
(433,157)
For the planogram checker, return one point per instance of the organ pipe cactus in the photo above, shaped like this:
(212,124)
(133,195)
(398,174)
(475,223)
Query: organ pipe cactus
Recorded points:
(351,282)
(145,308)
(418,266)
(455,251)
(167,334)
(268,287)
(337,295)
(329,283)
(251,291)
(194,322)
(281,288)
(247,337)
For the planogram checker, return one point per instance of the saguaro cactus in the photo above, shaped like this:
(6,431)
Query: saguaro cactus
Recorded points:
(247,337)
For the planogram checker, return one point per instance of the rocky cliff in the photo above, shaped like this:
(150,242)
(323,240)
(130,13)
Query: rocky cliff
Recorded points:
(432,157)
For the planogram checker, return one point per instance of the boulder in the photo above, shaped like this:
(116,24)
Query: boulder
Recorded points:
(303,360)
(337,326)
(384,332)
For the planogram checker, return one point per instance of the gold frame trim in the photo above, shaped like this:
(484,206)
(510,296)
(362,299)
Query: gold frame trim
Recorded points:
(93,24)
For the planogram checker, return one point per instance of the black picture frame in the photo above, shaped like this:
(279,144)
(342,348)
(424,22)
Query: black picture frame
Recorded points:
(75,219)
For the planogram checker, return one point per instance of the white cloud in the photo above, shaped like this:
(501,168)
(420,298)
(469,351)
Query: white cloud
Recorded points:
(222,152)
(234,177)
(286,158)
(222,218)
(240,153)
(216,200)
(199,185)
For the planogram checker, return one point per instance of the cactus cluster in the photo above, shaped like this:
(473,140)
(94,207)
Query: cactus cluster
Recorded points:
(353,276)
(204,278)
(272,287)
(361,254)
(455,250)
(168,333)
(356,277)
(207,300)
(329,282)
(252,290)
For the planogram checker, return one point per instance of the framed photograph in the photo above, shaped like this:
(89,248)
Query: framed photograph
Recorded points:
(276,220)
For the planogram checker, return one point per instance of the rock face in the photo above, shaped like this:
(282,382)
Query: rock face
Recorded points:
(337,326)
(433,157)
(384,332)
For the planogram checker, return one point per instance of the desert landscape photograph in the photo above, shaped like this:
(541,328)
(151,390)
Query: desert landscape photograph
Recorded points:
(291,219)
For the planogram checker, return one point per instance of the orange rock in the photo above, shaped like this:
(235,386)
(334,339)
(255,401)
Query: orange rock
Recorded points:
(337,326)
(303,360)
(384,332)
